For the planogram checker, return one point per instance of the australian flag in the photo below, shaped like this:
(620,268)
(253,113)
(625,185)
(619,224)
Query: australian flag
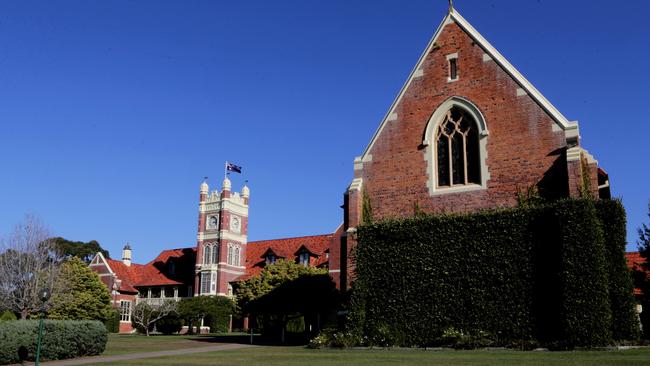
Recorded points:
(233,168)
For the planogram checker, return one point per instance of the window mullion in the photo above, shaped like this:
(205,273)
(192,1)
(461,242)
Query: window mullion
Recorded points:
(465,156)
(450,157)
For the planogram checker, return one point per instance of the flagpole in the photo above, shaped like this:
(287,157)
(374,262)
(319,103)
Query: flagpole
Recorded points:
(225,170)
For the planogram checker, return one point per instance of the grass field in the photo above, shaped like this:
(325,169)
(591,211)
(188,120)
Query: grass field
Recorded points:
(302,356)
(121,344)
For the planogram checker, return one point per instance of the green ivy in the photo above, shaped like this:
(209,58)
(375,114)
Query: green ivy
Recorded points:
(513,276)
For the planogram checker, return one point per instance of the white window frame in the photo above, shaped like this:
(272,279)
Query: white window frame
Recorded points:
(207,254)
(125,311)
(236,257)
(430,144)
(204,283)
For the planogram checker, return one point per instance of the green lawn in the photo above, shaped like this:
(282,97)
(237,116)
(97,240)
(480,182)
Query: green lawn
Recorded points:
(301,356)
(121,343)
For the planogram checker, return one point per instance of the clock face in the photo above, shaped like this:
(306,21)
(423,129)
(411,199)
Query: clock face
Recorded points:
(235,224)
(213,222)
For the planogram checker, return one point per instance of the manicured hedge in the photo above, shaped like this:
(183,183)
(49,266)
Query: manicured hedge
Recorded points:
(62,339)
(509,277)
(625,323)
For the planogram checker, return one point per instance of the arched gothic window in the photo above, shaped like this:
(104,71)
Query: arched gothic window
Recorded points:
(215,254)
(457,149)
(207,254)
(236,261)
(230,253)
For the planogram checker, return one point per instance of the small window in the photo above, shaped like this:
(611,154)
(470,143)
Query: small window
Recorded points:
(452,60)
(125,311)
(236,260)
(171,267)
(207,253)
(205,283)
(303,259)
(453,69)
(230,254)
(214,282)
(215,254)
(270,258)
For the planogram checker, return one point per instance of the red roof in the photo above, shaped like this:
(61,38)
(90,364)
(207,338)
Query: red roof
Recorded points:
(157,272)
(288,248)
(634,261)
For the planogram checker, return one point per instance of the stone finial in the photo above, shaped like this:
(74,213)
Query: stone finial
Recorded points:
(226,184)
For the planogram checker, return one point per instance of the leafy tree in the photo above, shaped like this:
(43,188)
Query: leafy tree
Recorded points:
(215,309)
(81,294)
(271,277)
(285,291)
(79,249)
(144,316)
(641,277)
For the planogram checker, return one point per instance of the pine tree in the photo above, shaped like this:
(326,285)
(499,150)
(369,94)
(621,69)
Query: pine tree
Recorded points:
(81,295)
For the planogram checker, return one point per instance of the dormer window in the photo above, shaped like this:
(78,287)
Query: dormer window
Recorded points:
(270,258)
(171,267)
(303,258)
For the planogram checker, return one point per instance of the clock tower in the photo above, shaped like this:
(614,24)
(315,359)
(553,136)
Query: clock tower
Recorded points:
(221,240)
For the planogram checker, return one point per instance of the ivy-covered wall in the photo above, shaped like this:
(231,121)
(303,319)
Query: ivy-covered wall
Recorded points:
(549,274)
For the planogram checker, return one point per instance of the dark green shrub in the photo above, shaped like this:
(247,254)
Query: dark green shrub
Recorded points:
(586,314)
(625,322)
(171,324)
(113,322)
(62,339)
(7,315)
(508,277)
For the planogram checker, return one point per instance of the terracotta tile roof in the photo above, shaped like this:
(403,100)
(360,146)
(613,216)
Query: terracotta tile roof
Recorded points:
(288,248)
(127,275)
(157,272)
(634,261)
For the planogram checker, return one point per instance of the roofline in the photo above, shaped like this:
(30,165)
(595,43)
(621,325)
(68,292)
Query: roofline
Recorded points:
(295,237)
(101,256)
(454,16)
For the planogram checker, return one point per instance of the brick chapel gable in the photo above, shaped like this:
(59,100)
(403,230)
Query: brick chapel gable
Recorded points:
(463,95)
(523,138)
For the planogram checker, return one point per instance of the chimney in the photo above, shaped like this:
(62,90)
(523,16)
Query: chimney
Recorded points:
(126,255)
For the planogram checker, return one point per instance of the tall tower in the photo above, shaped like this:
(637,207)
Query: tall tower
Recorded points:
(222,238)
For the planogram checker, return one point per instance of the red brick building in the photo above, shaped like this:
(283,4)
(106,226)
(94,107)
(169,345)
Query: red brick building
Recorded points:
(466,132)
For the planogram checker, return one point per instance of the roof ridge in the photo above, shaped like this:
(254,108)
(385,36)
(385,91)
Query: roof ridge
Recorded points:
(294,237)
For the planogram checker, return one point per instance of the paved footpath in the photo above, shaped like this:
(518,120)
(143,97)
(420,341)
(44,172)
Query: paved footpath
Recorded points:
(137,356)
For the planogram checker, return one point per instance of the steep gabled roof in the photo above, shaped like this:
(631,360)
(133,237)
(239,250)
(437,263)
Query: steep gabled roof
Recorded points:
(570,128)
(156,272)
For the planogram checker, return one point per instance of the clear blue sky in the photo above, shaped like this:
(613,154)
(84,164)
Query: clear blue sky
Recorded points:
(111,112)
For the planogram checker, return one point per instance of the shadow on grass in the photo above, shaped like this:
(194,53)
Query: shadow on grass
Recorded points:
(260,340)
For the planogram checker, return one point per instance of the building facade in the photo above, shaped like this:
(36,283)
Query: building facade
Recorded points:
(466,132)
